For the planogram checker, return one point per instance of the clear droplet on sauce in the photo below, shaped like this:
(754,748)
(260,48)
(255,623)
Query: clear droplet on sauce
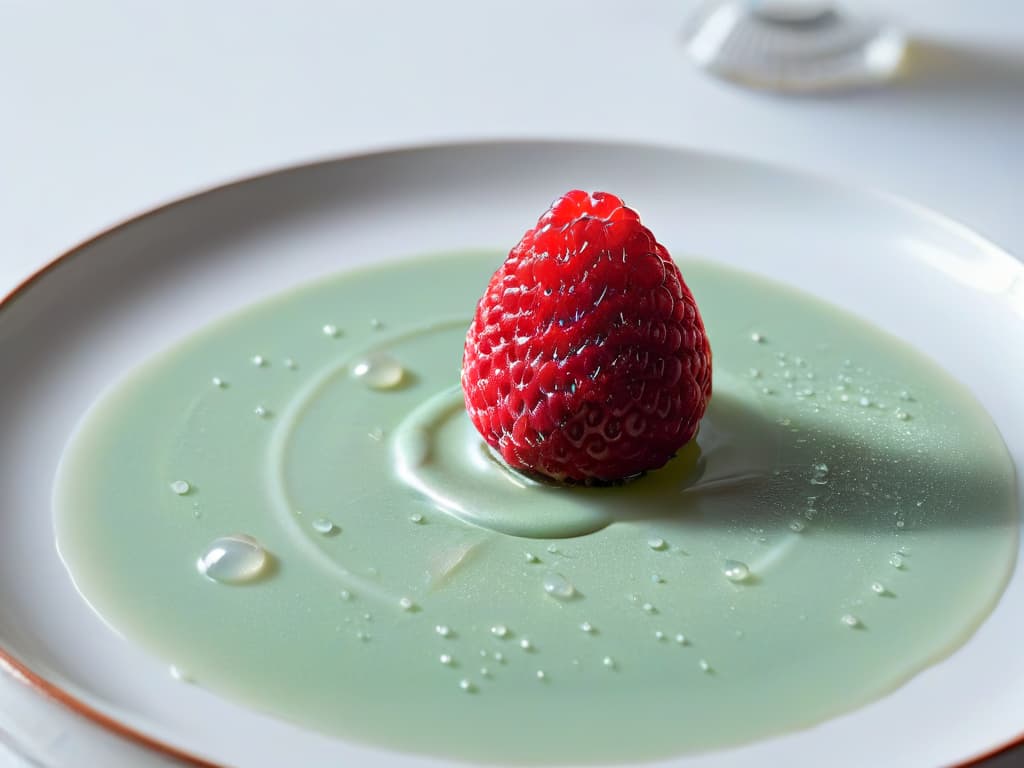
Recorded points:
(234,559)
(324,526)
(180,487)
(736,571)
(378,371)
(819,474)
(559,587)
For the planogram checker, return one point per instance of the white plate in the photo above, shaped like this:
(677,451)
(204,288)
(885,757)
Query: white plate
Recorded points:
(116,300)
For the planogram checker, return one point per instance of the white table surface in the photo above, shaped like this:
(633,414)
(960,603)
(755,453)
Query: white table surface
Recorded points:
(109,108)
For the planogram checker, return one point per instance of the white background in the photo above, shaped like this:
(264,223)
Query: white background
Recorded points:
(109,108)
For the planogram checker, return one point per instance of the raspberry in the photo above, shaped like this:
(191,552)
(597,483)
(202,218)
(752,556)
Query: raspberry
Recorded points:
(587,359)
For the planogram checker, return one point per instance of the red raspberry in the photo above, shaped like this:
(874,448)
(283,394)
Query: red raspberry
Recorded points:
(587,360)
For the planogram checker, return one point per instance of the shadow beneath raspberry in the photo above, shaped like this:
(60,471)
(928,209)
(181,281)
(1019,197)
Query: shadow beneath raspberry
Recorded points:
(758,472)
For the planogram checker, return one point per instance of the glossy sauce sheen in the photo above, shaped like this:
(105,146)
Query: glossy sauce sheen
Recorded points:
(846,517)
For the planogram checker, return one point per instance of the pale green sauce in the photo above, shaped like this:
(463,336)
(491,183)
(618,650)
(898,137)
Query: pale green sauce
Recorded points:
(860,574)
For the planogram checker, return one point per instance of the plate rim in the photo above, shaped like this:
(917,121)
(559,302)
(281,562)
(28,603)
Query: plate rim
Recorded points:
(21,673)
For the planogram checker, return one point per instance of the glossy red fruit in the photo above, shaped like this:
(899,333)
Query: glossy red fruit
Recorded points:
(587,360)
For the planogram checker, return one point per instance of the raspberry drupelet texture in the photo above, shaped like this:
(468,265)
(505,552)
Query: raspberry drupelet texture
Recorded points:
(587,360)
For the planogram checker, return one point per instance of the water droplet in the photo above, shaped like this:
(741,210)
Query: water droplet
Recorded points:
(850,620)
(767,391)
(376,324)
(446,659)
(657,578)
(587,627)
(902,415)
(559,587)
(754,373)
(499,630)
(797,526)
(878,588)
(416,518)
(261,411)
(657,545)
(378,371)
(736,571)
(681,639)
(483,653)
(704,665)
(541,675)
(900,523)
(233,559)
(345,595)
(331,331)
(659,635)
(757,338)
(290,364)
(649,608)
(407,604)
(906,397)
(532,558)
(363,636)
(525,644)
(323,525)
(443,630)
(467,686)
(896,561)
(179,674)
(553,549)
(258,360)
(180,487)
(499,657)
(864,402)
(218,382)
(485,672)
(819,474)
(609,662)
(376,434)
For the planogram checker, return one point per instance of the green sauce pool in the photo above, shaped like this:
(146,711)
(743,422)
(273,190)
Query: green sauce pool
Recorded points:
(292,509)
